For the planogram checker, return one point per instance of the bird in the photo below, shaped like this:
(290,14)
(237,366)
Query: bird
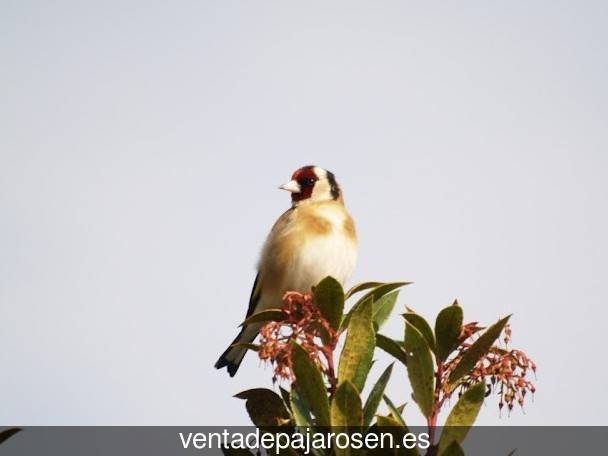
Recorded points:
(313,239)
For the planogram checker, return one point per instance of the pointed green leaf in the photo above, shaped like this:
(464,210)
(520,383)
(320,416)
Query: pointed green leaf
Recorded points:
(265,316)
(369,300)
(299,409)
(453,450)
(329,298)
(420,368)
(447,330)
(477,350)
(310,384)
(388,421)
(375,396)
(374,295)
(421,325)
(383,308)
(361,287)
(392,347)
(301,416)
(387,424)
(358,351)
(346,413)
(462,416)
(385,288)
(265,407)
(346,406)
(285,397)
(395,413)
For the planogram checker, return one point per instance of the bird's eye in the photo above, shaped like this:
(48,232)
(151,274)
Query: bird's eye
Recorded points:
(307,182)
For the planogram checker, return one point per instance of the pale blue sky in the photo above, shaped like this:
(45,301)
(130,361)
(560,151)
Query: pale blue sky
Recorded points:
(141,145)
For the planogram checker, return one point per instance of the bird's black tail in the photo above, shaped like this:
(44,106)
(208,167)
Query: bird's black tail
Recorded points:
(232,358)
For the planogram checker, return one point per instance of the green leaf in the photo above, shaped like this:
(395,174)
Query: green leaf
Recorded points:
(421,325)
(265,407)
(447,330)
(361,287)
(285,397)
(346,413)
(387,424)
(392,347)
(420,369)
(369,300)
(374,295)
(299,409)
(462,416)
(375,396)
(346,407)
(395,413)
(358,351)
(401,408)
(383,308)
(387,421)
(301,416)
(453,450)
(329,298)
(385,288)
(265,316)
(477,350)
(310,384)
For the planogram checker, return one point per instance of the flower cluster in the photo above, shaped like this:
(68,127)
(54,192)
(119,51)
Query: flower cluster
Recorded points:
(302,323)
(507,370)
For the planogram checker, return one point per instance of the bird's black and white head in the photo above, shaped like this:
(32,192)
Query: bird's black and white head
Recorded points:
(311,184)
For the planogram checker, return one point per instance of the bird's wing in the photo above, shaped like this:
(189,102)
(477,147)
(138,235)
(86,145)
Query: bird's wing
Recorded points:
(254,299)
(256,292)
(282,223)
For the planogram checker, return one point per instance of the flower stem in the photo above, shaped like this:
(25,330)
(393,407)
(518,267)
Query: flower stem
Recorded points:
(437,403)
(328,352)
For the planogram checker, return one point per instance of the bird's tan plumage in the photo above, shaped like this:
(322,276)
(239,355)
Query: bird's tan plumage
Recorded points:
(294,233)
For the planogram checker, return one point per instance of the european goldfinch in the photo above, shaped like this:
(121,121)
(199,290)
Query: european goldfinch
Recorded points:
(314,239)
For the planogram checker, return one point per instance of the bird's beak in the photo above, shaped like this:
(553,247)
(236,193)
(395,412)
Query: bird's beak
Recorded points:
(292,186)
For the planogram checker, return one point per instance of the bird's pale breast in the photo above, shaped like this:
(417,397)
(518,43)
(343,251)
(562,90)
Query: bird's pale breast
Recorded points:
(310,243)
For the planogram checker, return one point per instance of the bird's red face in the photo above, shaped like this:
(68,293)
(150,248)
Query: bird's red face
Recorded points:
(306,179)
(311,183)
